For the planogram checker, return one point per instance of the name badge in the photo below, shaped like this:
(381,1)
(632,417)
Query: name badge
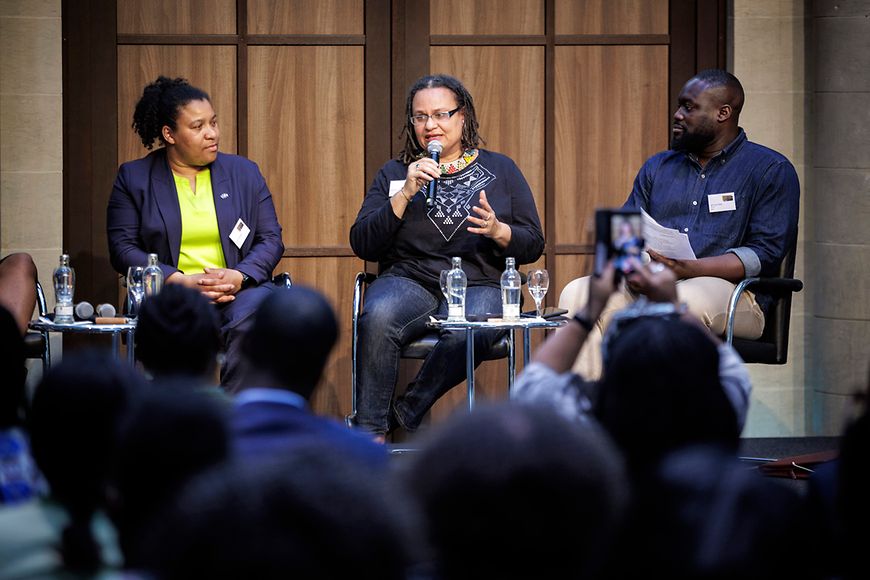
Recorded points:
(722,202)
(395,186)
(240,233)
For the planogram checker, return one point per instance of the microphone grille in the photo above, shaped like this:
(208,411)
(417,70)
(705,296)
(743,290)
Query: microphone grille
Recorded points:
(434,147)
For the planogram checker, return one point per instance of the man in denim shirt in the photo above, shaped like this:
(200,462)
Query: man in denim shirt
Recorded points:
(736,200)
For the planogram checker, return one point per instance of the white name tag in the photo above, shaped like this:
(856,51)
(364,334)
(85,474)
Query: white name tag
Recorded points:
(721,202)
(240,233)
(395,186)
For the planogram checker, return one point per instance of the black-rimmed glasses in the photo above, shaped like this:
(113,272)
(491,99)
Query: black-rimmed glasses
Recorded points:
(437,117)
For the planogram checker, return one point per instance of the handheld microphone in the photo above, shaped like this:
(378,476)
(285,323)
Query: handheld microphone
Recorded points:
(434,149)
(105,311)
(84,311)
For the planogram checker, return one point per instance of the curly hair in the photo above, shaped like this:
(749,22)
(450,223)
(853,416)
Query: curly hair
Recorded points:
(470,137)
(159,106)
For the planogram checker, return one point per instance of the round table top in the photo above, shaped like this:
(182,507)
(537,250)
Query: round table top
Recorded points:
(523,322)
(43,324)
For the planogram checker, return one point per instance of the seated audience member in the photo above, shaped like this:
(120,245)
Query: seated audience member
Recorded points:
(308,514)
(736,200)
(74,422)
(18,288)
(703,514)
(171,436)
(293,333)
(178,338)
(516,491)
(675,362)
(208,216)
(20,480)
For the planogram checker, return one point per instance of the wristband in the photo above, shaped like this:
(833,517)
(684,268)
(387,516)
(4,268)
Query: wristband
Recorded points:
(584,322)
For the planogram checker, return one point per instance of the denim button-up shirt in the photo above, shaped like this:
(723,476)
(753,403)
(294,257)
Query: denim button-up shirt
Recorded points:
(673,188)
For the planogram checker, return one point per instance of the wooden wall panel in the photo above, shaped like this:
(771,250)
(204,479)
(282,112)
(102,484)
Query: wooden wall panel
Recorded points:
(305,16)
(486,17)
(611,16)
(611,115)
(569,267)
(306,126)
(177,16)
(211,68)
(334,278)
(513,126)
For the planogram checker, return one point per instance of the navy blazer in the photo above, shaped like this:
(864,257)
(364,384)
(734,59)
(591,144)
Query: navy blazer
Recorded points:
(262,430)
(144,216)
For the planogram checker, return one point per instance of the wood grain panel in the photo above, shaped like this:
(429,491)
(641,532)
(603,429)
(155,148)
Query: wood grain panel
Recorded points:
(513,126)
(211,68)
(176,16)
(611,115)
(611,16)
(306,125)
(486,17)
(333,277)
(305,16)
(569,267)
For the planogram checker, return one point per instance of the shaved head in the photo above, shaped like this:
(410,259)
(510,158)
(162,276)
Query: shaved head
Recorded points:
(725,86)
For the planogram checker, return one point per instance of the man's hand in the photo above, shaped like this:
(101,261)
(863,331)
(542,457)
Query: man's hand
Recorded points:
(654,280)
(727,266)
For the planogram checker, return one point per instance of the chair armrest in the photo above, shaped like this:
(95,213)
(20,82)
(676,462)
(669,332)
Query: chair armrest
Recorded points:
(776,286)
(283,280)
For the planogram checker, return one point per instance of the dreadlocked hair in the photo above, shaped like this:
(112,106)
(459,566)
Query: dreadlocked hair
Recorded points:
(470,137)
(159,105)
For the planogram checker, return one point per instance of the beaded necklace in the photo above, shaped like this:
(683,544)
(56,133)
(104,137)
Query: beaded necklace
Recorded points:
(459,164)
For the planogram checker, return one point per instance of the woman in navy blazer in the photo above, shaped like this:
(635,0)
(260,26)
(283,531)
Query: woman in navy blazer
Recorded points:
(144,213)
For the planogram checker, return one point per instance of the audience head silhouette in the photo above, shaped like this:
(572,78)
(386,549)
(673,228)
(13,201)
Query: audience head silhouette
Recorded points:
(311,514)
(171,436)
(177,333)
(75,420)
(12,395)
(492,484)
(661,391)
(289,343)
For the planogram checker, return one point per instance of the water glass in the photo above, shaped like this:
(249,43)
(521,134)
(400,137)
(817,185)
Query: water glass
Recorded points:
(135,289)
(539,283)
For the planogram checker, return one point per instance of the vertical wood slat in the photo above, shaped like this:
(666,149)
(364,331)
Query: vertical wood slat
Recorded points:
(611,16)
(211,68)
(309,128)
(605,131)
(305,16)
(481,17)
(176,16)
(242,78)
(89,84)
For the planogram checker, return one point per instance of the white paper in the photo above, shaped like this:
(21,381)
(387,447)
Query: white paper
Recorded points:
(396,186)
(667,242)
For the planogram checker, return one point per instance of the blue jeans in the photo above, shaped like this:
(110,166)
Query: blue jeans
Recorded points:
(395,313)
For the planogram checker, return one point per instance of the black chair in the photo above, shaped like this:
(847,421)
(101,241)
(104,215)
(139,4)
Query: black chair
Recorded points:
(37,344)
(772,347)
(419,349)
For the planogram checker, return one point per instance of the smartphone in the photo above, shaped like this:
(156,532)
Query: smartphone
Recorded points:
(618,236)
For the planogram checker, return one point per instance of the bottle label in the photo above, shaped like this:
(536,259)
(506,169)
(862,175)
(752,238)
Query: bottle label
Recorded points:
(63,311)
(510,311)
(456,312)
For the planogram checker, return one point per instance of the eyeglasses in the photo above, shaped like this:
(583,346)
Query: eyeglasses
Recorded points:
(437,117)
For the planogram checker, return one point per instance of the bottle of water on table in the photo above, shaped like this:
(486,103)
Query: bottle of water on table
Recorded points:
(454,291)
(64,288)
(152,276)
(511,287)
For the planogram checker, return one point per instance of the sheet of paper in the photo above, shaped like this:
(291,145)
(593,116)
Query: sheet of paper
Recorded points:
(667,242)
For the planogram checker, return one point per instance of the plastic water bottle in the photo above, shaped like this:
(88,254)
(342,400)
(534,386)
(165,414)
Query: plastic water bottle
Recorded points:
(152,276)
(511,287)
(457,283)
(64,288)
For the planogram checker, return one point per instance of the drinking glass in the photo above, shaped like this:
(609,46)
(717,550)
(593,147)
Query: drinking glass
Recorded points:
(135,289)
(539,283)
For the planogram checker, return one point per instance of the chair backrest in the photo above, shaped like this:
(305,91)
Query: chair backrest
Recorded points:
(772,346)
